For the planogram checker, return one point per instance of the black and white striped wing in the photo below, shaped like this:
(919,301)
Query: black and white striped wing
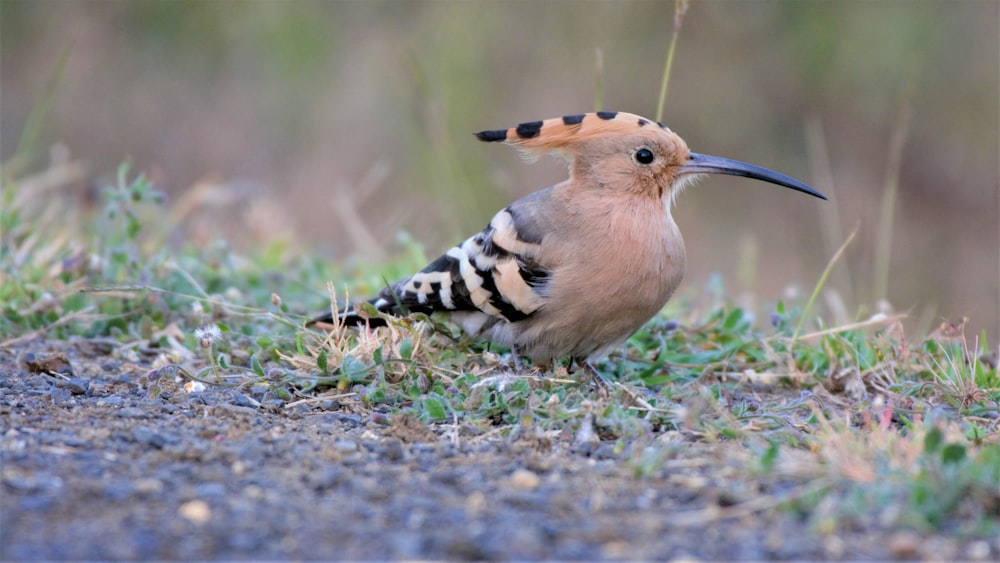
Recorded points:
(494,272)
(497,275)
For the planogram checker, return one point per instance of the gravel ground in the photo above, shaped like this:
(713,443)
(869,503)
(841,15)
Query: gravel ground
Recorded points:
(92,469)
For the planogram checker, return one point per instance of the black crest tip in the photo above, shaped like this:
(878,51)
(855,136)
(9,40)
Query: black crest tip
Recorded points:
(492,136)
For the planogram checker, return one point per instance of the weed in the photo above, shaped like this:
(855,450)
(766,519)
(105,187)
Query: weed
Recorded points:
(872,427)
(861,425)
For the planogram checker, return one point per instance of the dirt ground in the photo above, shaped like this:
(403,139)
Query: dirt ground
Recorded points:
(92,469)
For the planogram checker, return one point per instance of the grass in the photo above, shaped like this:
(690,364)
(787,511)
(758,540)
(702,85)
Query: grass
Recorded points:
(877,429)
(876,426)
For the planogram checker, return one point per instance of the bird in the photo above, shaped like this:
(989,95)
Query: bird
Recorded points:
(575,269)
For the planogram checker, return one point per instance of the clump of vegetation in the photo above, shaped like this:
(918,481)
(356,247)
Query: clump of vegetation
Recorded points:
(875,425)
(886,428)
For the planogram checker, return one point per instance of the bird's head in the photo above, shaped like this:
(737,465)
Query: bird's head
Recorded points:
(626,152)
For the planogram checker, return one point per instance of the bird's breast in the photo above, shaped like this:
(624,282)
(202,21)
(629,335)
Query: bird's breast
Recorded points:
(611,263)
(618,269)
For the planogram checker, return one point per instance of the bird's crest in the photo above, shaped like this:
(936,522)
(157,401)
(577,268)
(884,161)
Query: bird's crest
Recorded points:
(561,133)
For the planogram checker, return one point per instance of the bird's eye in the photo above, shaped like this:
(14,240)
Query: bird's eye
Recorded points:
(644,156)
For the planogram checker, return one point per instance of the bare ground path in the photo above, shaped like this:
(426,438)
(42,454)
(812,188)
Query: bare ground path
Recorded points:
(93,469)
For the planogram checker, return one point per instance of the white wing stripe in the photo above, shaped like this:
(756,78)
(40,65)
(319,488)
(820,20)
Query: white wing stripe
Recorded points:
(480,297)
(505,235)
(514,289)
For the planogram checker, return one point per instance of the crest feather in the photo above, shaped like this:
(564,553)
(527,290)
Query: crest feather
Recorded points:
(560,134)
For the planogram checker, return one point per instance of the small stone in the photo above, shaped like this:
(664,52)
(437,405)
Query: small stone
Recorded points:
(210,490)
(149,437)
(229,410)
(48,363)
(241,400)
(393,450)
(475,503)
(112,401)
(524,479)
(196,511)
(32,482)
(345,446)
(148,486)
(131,412)
(606,450)
(273,404)
(349,420)
(59,396)
(978,550)
(327,478)
(616,550)
(76,385)
(253,492)
(905,545)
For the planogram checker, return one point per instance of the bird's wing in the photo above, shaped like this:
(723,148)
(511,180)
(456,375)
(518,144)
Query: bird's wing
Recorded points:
(497,271)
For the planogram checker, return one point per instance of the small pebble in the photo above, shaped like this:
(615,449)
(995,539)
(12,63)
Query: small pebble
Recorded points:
(524,479)
(345,446)
(327,478)
(349,420)
(226,409)
(196,511)
(905,545)
(616,549)
(273,404)
(148,437)
(978,550)
(606,450)
(32,482)
(241,400)
(76,385)
(112,401)
(210,490)
(393,450)
(148,486)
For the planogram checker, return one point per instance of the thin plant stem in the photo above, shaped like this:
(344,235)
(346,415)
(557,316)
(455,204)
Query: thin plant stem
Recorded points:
(830,220)
(210,352)
(598,79)
(36,118)
(822,281)
(883,242)
(680,8)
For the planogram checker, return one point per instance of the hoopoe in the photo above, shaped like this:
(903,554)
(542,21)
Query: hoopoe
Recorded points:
(576,268)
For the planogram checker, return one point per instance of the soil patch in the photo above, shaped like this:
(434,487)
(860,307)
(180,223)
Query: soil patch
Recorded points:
(94,469)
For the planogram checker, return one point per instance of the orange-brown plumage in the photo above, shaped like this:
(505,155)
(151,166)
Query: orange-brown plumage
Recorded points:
(574,269)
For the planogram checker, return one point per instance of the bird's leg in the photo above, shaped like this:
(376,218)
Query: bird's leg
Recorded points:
(595,376)
(516,355)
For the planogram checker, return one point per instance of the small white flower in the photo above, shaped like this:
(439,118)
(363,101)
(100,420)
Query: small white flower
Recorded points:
(206,335)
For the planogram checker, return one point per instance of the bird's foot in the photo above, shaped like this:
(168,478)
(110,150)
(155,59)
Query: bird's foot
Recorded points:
(515,355)
(603,385)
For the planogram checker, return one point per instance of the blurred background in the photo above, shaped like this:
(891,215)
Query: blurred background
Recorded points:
(340,125)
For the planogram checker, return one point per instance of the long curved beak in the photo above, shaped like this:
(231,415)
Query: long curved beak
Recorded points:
(705,164)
